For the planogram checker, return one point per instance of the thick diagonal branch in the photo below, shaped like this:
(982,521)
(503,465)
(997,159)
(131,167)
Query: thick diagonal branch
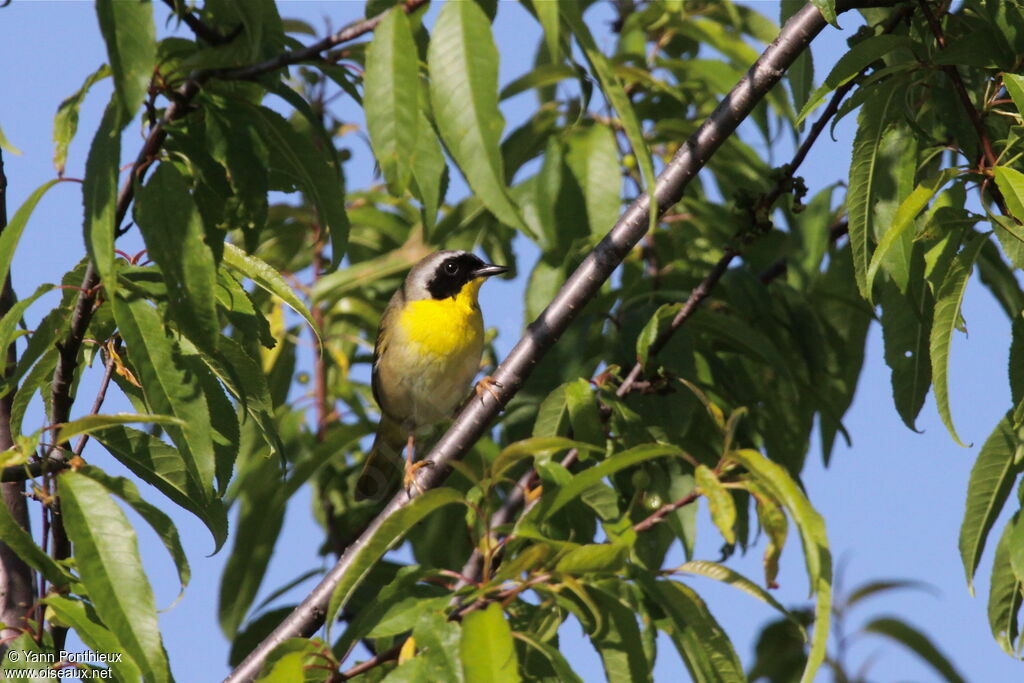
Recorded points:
(581,286)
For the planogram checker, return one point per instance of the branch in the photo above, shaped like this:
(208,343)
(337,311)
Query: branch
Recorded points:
(202,31)
(16,579)
(350,32)
(376,660)
(581,286)
(988,157)
(958,85)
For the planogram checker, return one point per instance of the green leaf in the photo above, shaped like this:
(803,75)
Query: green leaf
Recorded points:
(391,88)
(558,663)
(865,176)
(703,645)
(828,10)
(429,173)
(20,541)
(850,64)
(126,490)
(6,144)
(584,416)
(130,35)
(293,661)
(547,14)
(719,572)
(593,158)
(906,325)
(381,538)
(90,423)
(613,91)
(780,485)
(488,653)
(550,504)
(267,278)
(1011,185)
(163,467)
(992,478)
(617,637)
(98,638)
(169,386)
(65,123)
(945,320)
(99,192)
(14,315)
(244,378)
(463,64)
(1017,546)
(904,220)
(1006,592)
(313,171)
(11,234)
(720,502)
(439,640)
(1015,87)
(538,447)
(542,76)
(917,642)
(175,239)
(594,558)
(107,556)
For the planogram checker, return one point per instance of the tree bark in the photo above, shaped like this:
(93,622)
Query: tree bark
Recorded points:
(16,577)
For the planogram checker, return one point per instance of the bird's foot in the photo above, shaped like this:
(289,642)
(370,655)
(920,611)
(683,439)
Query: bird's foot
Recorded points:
(487,384)
(409,480)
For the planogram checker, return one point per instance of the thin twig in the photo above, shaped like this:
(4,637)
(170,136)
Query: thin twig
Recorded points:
(203,32)
(663,512)
(97,404)
(988,158)
(376,660)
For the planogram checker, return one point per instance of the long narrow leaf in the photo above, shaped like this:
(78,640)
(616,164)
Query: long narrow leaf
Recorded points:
(777,481)
(107,555)
(464,93)
(945,320)
(992,479)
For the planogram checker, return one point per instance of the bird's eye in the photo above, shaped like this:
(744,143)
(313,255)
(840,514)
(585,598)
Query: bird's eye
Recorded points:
(451,268)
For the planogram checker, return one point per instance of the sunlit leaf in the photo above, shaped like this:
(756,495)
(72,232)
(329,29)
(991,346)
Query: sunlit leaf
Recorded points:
(945,320)
(390,98)
(464,92)
(992,478)
(107,555)
(130,35)
(488,653)
(65,123)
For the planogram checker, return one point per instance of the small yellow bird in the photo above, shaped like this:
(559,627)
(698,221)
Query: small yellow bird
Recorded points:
(428,351)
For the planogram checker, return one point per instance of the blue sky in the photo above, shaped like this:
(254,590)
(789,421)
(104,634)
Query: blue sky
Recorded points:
(892,502)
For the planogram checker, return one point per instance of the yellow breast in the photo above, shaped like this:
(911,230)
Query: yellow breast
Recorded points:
(445,327)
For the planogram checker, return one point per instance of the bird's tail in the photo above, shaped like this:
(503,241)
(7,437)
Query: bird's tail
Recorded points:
(382,469)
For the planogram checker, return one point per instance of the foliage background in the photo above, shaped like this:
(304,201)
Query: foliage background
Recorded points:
(893,502)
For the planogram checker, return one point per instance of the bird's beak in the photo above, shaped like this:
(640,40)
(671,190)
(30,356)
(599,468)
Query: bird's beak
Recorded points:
(487,271)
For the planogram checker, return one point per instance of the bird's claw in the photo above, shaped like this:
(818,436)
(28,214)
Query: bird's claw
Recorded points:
(409,480)
(487,384)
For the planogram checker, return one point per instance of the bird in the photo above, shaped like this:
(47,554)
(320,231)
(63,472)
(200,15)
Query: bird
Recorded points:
(428,349)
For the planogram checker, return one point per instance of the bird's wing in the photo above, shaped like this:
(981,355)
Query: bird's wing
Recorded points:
(381,346)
